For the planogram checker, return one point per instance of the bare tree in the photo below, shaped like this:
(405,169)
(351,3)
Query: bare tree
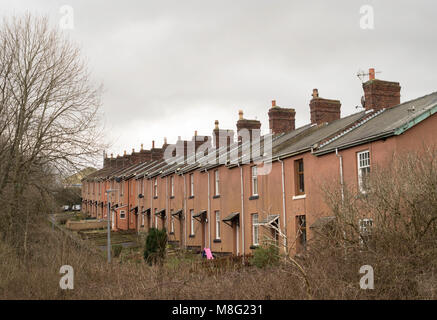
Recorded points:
(48,110)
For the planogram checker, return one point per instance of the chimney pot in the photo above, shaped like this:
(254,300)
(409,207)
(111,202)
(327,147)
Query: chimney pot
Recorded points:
(195,133)
(133,150)
(273,103)
(315,93)
(153,144)
(112,155)
(124,152)
(240,114)
(165,140)
(372,74)
(141,146)
(216,124)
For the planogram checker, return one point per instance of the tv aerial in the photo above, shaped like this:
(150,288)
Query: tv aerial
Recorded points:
(362,75)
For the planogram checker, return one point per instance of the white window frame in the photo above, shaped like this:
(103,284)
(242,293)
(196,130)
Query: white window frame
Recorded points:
(192,222)
(192,184)
(155,187)
(217,225)
(363,163)
(172,186)
(122,214)
(156,218)
(255,229)
(365,227)
(142,218)
(254,177)
(171,221)
(217,182)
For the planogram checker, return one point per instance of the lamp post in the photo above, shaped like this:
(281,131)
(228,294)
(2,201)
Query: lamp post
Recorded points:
(109,223)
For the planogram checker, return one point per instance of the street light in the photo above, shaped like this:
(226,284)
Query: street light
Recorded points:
(109,223)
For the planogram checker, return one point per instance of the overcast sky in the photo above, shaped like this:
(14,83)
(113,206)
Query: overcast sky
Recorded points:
(172,67)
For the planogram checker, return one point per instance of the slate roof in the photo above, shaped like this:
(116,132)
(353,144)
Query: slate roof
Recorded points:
(355,129)
(389,122)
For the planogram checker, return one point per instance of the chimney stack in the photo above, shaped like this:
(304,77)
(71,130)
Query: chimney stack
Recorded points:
(379,94)
(227,136)
(281,120)
(323,110)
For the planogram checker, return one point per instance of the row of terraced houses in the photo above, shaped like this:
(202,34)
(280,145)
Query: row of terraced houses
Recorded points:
(231,205)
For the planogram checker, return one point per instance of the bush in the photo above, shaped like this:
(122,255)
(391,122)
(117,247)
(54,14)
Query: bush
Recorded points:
(154,249)
(266,255)
(116,250)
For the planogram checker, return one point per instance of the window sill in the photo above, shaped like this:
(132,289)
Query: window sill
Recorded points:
(191,236)
(216,196)
(217,241)
(254,246)
(254,197)
(302,196)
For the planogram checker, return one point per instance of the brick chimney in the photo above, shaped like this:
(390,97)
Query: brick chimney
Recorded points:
(247,124)
(145,155)
(379,94)
(156,153)
(281,119)
(323,110)
(227,136)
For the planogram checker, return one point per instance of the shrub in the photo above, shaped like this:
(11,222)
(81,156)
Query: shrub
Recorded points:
(265,255)
(116,250)
(154,249)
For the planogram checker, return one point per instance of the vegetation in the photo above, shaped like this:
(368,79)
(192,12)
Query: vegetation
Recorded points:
(265,255)
(49,124)
(156,243)
(116,250)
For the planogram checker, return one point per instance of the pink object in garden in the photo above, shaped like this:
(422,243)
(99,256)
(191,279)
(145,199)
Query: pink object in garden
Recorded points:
(208,253)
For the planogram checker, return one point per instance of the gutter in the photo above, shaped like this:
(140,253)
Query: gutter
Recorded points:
(340,157)
(209,211)
(284,215)
(185,212)
(242,212)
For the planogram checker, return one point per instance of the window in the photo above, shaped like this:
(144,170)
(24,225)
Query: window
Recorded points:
(301,232)
(365,226)
(217,224)
(155,187)
(156,218)
(122,214)
(299,177)
(172,186)
(255,229)
(254,181)
(363,159)
(192,222)
(192,185)
(171,221)
(217,182)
